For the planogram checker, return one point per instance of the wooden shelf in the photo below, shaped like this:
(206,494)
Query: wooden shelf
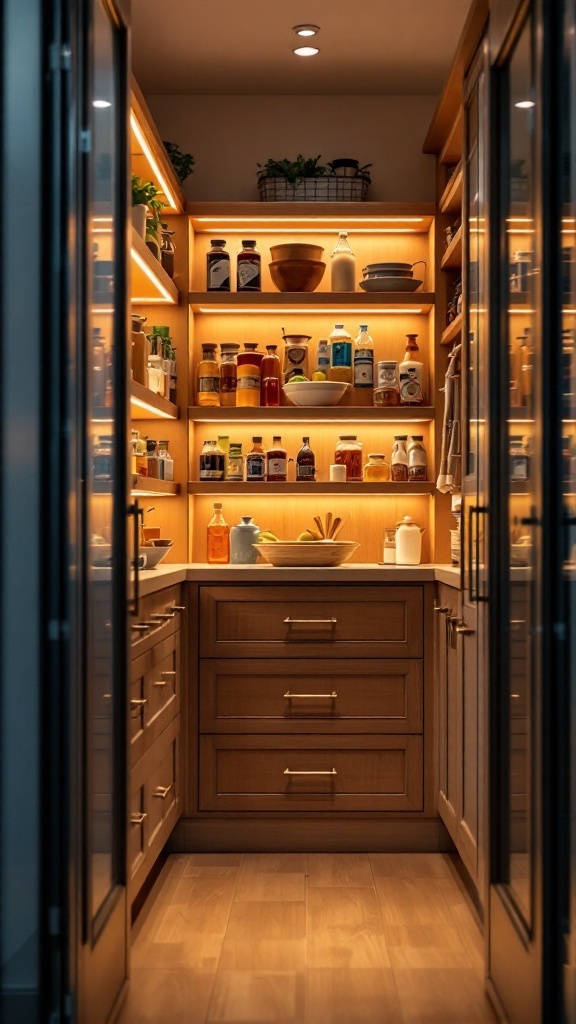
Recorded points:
(321,487)
(331,414)
(212,302)
(451,201)
(453,331)
(452,150)
(452,258)
(146,405)
(210,217)
(145,485)
(148,158)
(150,283)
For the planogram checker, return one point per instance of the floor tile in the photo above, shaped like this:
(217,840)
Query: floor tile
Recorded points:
(443,997)
(352,997)
(344,929)
(265,936)
(410,865)
(346,869)
(257,997)
(167,997)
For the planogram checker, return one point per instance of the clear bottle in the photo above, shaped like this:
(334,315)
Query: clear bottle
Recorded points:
(228,374)
(248,275)
(519,459)
(208,393)
(349,453)
(411,374)
(417,459)
(271,370)
(305,463)
(343,266)
(165,462)
(341,355)
(235,462)
(387,391)
(256,462)
(102,458)
(363,359)
(323,357)
(376,469)
(218,538)
(276,462)
(212,461)
(218,267)
(399,466)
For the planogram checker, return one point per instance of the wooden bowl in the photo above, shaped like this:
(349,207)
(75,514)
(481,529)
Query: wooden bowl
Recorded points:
(296,251)
(297,275)
(313,553)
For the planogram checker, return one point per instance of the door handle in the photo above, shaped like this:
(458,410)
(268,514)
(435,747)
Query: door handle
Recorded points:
(138,514)
(464,630)
(163,615)
(137,819)
(317,622)
(440,610)
(177,607)
(162,791)
(288,771)
(310,696)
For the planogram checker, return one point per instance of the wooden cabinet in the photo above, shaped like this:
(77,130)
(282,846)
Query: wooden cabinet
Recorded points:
(155,688)
(448,730)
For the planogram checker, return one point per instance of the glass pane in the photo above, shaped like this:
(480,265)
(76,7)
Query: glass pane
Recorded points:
(522,484)
(101,486)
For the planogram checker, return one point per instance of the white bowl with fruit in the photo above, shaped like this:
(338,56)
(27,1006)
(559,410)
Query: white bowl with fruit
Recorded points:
(317,392)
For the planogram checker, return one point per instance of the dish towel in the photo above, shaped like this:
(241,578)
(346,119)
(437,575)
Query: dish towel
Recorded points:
(450,459)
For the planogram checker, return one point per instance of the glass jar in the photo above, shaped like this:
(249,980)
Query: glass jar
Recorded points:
(208,392)
(417,459)
(349,453)
(248,277)
(228,353)
(399,467)
(218,267)
(389,557)
(212,461)
(376,469)
(387,392)
(271,370)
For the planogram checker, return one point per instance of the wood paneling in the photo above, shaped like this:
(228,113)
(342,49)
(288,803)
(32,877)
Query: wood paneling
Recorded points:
(152,606)
(155,772)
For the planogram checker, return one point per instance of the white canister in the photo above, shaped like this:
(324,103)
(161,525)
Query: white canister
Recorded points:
(408,542)
(242,542)
(338,473)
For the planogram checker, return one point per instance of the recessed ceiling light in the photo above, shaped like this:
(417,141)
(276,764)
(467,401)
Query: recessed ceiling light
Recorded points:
(306,30)
(306,51)
(525,104)
(101,104)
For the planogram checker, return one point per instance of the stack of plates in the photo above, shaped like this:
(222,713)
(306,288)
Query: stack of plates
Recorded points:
(389,277)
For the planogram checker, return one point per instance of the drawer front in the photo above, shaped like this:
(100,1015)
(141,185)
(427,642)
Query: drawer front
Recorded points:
(368,773)
(155,693)
(274,696)
(155,801)
(137,849)
(161,790)
(159,615)
(311,622)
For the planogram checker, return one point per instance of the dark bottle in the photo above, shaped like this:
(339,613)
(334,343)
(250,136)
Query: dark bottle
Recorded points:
(276,462)
(248,276)
(167,250)
(218,267)
(305,462)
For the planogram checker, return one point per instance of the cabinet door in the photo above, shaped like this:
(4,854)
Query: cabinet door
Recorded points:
(468,805)
(448,735)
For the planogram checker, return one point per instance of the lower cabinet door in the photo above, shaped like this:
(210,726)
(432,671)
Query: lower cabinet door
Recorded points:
(311,773)
(155,802)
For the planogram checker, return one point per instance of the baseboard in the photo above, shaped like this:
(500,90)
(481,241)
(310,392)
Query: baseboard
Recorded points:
(220,835)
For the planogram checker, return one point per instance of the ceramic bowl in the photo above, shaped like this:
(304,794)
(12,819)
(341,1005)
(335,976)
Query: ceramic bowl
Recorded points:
(390,284)
(296,251)
(315,393)
(313,553)
(297,275)
(153,556)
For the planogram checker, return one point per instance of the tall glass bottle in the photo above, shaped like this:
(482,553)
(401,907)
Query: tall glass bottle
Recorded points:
(256,462)
(343,266)
(218,538)
(363,359)
(218,267)
(208,392)
(305,462)
(248,278)
(228,353)
(341,364)
(411,374)
(271,372)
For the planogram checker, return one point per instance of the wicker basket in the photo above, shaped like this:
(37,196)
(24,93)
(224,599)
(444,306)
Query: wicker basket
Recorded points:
(327,189)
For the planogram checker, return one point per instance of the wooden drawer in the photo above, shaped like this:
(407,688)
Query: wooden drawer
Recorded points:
(364,773)
(311,622)
(366,696)
(159,615)
(155,794)
(155,693)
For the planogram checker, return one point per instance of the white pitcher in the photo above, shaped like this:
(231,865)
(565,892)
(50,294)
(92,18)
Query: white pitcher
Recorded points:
(408,542)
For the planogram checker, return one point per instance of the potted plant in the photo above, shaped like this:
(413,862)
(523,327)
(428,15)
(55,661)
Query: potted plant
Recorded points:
(306,179)
(181,162)
(346,168)
(144,202)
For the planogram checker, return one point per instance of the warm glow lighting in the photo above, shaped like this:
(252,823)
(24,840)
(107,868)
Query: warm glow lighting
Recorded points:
(520,231)
(520,220)
(289,312)
(164,294)
(313,218)
(525,104)
(306,231)
(153,494)
(152,409)
(302,419)
(152,161)
(101,310)
(101,104)
(306,30)
(306,51)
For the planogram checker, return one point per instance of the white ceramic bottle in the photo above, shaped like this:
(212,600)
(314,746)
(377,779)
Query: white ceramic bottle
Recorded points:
(408,542)
(343,266)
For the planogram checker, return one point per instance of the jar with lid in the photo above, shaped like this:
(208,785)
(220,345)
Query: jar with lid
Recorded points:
(417,459)
(389,556)
(399,467)
(212,461)
(349,453)
(248,276)
(218,267)
(235,462)
(167,250)
(271,371)
(376,469)
(208,391)
(247,385)
(250,356)
(228,353)
(408,542)
(519,459)
(102,457)
(387,392)
(243,540)
(341,365)
(295,356)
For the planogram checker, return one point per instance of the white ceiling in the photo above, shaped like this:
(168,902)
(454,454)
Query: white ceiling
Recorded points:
(231,47)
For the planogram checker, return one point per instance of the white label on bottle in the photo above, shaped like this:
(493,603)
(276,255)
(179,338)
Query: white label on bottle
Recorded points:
(305,472)
(364,368)
(208,384)
(417,457)
(277,467)
(410,384)
(247,272)
(219,273)
(248,382)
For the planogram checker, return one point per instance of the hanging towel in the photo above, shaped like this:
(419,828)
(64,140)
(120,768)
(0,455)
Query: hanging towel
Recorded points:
(450,459)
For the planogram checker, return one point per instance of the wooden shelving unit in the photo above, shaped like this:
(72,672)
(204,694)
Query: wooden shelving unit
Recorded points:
(148,158)
(146,485)
(451,200)
(145,405)
(332,414)
(313,217)
(230,487)
(150,282)
(409,302)
(452,258)
(451,152)
(453,331)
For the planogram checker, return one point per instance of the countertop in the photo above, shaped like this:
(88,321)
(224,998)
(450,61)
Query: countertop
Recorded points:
(152,580)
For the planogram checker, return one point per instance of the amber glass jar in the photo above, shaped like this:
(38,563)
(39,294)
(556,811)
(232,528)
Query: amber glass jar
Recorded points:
(228,353)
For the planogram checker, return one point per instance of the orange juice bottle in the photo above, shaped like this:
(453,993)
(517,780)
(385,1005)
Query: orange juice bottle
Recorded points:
(218,535)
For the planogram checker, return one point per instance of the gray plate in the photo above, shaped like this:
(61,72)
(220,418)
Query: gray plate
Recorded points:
(390,284)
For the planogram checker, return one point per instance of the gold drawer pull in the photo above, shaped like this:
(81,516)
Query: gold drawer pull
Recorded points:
(288,771)
(138,702)
(137,819)
(141,625)
(465,630)
(162,791)
(177,607)
(310,696)
(440,609)
(163,615)
(168,672)
(162,682)
(317,622)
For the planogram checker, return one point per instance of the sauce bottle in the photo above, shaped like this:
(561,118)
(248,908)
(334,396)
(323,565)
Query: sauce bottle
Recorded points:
(218,267)
(343,266)
(212,461)
(411,374)
(218,538)
(248,276)
(417,459)
(271,371)
(228,353)
(276,462)
(256,462)
(208,394)
(305,462)
(363,359)
(399,467)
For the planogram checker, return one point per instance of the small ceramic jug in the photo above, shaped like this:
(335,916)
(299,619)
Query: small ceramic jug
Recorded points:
(242,540)
(408,542)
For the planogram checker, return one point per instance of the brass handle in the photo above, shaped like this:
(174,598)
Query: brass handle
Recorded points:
(515,696)
(162,791)
(163,615)
(168,672)
(137,819)
(138,702)
(453,618)
(440,610)
(465,630)
(310,696)
(288,771)
(328,622)
(160,682)
(141,625)
(177,607)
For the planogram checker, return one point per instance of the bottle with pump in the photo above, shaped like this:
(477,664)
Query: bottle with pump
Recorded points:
(363,359)
(305,462)
(411,374)
(218,538)
(276,462)
(343,266)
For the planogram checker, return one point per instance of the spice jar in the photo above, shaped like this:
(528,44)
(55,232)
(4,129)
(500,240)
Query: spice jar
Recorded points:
(387,392)
(399,467)
(417,459)
(228,353)
(248,277)
(218,267)
(349,453)
(376,469)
